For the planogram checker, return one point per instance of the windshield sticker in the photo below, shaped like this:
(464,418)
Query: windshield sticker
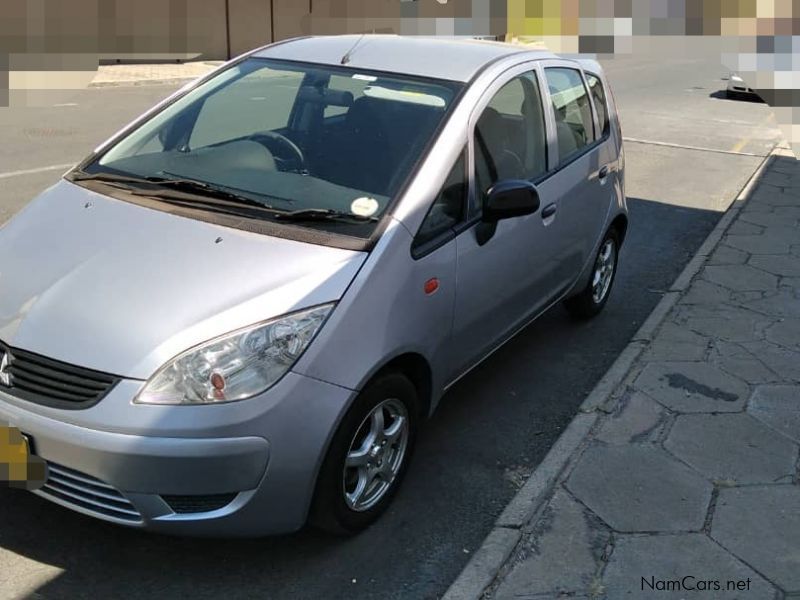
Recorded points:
(410,96)
(365,77)
(364,207)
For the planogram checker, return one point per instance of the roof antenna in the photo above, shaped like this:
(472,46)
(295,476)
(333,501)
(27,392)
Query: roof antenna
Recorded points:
(346,57)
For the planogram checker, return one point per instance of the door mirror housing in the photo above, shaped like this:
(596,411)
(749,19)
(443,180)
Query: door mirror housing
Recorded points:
(510,198)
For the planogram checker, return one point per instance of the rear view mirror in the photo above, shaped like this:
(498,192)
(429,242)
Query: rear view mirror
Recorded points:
(510,198)
(326,97)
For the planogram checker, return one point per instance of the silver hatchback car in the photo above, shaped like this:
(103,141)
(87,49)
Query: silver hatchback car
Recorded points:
(234,315)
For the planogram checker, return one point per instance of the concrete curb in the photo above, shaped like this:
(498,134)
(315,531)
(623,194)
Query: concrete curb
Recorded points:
(486,562)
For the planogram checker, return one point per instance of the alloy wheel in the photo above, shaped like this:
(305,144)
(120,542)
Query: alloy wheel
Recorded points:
(604,270)
(376,455)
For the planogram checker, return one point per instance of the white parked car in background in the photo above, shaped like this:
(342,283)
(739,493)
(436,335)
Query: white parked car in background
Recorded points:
(738,88)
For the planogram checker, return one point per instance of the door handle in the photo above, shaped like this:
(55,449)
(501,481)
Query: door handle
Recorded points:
(548,211)
(603,173)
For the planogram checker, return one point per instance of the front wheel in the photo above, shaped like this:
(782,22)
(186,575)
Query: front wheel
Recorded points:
(368,456)
(591,300)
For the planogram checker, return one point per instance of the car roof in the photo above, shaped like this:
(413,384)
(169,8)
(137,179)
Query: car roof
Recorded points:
(456,59)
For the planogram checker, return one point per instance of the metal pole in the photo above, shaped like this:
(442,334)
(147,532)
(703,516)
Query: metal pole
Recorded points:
(272,21)
(228,26)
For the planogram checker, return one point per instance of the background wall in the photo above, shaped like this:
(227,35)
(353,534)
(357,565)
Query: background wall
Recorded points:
(214,29)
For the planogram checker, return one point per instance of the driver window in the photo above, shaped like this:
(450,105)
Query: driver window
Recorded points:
(510,137)
(231,115)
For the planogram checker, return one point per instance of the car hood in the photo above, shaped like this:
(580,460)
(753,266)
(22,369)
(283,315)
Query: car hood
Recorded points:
(112,286)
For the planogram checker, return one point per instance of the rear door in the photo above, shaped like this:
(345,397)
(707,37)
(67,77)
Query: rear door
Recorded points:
(583,168)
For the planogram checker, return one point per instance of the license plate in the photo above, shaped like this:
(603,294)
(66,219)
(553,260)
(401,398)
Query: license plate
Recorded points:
(19,467)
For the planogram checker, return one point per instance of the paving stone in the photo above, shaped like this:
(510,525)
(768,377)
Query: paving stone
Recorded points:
(761,526)
(760,244)
(646,566)
(769,219)
(732,447)
(640,488)
(785,333)
(566,546)
(782,265)
(725,255)
(752,207)
(728,323)
(675,342)
(789,213)
(783,197)
(781,304)
(704,292)
(745,228)
(780,360)
(692,387)
(739,362)
(779,407)
(740,277)
(775,178)
(791,284)
(636,419)
(741,298)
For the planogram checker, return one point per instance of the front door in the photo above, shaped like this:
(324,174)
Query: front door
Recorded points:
(503,282)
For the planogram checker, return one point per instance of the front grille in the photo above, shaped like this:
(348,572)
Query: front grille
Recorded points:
(51,382)
(88,493)
(198,504)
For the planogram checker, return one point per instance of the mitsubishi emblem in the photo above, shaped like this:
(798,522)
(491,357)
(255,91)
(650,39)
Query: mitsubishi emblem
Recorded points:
(5,376)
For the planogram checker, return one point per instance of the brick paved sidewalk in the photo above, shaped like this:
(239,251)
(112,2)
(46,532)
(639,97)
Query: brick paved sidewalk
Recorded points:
(691,478)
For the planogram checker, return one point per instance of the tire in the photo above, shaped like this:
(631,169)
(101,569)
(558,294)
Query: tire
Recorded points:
(335,508)
(589,302)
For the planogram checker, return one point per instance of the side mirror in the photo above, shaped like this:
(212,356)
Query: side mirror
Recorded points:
(510,198)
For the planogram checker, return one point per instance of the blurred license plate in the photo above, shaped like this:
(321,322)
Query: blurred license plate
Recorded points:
(19,467)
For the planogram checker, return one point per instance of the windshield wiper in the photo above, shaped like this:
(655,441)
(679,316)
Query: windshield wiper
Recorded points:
(217,205)
(187,186)
(322,214)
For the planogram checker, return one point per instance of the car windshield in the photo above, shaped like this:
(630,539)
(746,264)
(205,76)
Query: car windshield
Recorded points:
(323,146)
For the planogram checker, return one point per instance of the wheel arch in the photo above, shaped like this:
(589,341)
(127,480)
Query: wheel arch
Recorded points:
(416,367)
(620,224)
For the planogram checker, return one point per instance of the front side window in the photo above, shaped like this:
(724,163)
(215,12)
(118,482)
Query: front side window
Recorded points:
(510,136)
(329,144)
(573,112)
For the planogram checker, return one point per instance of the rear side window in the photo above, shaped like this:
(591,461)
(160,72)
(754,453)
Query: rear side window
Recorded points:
(600,103)
(573,112)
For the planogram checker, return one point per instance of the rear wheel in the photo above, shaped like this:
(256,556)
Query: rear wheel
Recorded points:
(368,456)
(591,300)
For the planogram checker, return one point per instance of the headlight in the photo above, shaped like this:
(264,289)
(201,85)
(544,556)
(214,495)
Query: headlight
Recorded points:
(236,366)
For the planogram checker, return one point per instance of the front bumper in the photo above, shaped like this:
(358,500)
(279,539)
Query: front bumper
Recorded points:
(737,85)
(245,468)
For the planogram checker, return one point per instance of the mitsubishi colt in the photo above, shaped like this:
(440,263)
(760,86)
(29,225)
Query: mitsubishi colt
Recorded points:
(234,316)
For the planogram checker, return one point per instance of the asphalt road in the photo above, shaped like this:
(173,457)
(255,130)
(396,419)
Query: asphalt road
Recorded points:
(693,153)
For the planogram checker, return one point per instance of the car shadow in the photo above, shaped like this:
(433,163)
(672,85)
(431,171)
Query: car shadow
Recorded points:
(740,97)
(491,430)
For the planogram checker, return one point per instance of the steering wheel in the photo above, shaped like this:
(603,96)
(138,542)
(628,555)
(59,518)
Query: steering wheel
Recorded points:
(287,154)
(509,165)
